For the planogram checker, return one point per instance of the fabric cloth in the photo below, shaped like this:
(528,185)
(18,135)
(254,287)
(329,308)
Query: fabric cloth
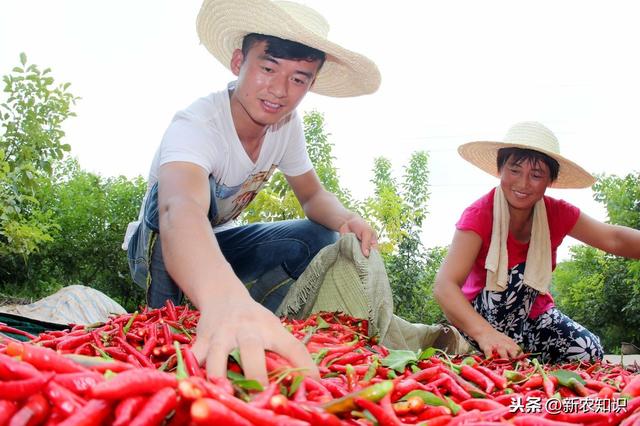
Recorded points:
(341,278)
(538,272)
(74,304)
(478,217)
(267,257)
(204,134)
(552,334)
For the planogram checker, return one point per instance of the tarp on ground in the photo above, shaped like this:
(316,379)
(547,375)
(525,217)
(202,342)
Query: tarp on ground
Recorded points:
(74,304)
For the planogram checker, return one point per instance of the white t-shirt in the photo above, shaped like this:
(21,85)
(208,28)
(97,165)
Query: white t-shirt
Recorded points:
(204,134)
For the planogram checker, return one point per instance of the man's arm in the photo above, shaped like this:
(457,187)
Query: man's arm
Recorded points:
(323,207)
(229,317)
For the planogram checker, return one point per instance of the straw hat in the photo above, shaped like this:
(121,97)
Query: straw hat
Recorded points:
(222,24)
(527,135)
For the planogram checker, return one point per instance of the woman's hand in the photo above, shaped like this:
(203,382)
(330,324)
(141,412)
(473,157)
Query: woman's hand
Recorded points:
(492,341)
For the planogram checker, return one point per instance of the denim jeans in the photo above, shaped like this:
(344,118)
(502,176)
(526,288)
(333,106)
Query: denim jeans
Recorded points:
(264,256)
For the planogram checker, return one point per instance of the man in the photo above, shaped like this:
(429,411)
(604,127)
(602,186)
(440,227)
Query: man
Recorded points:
(217,154)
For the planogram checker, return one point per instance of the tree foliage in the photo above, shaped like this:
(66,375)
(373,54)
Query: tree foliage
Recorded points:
(277,201)
(602,291)
(59,225)
(396,210)
(30,145)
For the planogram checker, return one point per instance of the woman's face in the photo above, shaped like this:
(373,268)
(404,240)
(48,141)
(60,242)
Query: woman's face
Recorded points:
(524,183)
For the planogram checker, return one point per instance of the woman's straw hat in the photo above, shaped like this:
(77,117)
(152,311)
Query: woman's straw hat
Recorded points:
(222,24)
(527,135)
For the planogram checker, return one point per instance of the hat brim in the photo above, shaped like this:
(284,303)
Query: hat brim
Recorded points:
(222,24)
(484,155)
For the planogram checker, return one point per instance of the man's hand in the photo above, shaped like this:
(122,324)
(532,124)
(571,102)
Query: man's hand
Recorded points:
(364,232)
(242,323)
(494,341)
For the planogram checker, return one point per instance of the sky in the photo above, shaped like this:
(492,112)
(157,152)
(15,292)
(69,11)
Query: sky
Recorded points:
(452,72)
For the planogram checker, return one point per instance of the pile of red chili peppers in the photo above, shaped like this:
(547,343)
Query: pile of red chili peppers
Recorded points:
(138,369)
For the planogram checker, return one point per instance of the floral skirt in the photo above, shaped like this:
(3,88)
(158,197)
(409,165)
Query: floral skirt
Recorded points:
(552,336)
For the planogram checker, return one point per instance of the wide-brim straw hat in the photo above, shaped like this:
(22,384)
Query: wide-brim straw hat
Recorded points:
(527,135)
(222,24)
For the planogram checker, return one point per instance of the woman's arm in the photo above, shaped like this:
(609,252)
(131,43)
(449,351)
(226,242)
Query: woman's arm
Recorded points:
(614,239)
(457,264)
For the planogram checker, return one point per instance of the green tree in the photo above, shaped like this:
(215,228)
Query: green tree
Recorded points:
(92,214)
(396,210)
(399,216)
(277,201)
(602,291)
(30,145)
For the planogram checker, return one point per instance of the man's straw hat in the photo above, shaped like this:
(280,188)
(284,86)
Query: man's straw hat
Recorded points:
(222,24)
(527,135)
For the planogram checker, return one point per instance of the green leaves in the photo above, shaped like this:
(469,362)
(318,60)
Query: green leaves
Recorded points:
(399,359)
(32,116)
(565,377)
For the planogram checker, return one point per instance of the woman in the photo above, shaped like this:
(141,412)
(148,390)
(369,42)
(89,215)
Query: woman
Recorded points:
(483,285)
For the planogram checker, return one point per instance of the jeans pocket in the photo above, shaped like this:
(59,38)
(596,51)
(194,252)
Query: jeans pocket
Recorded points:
(137,256)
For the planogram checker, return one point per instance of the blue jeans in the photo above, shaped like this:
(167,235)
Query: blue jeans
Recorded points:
(265,256)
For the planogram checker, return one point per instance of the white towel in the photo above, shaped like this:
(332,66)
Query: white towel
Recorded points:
(537,273)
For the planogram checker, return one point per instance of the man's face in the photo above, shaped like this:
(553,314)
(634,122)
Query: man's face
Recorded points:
(269,88)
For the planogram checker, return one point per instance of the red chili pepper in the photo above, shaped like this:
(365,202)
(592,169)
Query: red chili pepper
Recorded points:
(11,368)
(531,420)
(4,327)
(439,421)
(73,342)
(383,416)
(313,385)
(43,358)
(402,387)
(426,374)
(156,408)
(7,409)
(500,381)
(78,383)
(63,399)
(191,363)
(14,390)
(133,382)
(35,411)
(581,418)
(533,382)
(633,388)
(434,412)
(208,411)
(480,404)
(116,352)
(454,388)
(253,414)
(149,345)
(336,391)
(126,409)
(144,361)
(281,405)
(477,377)
(93,413)
(263,399)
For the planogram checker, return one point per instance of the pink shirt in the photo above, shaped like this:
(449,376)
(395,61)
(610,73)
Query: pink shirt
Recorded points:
(478,217)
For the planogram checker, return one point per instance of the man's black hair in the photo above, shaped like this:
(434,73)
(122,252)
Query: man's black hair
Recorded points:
(283,49)
(533,157)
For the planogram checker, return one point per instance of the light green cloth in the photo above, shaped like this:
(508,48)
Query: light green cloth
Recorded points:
(341,278)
